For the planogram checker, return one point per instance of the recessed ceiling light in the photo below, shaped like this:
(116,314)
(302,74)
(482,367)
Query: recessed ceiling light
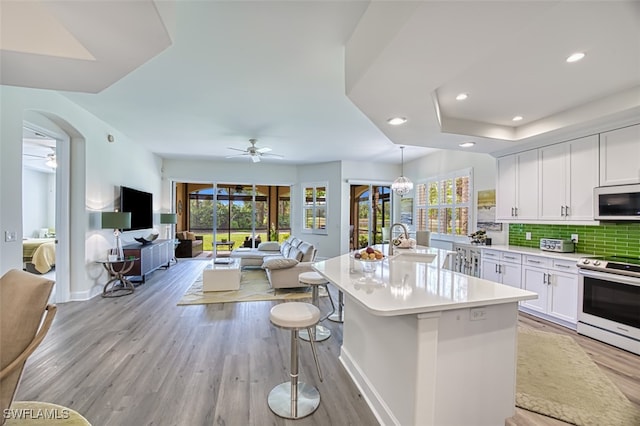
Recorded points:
(466,144)
(396,121)
(517,118)
(462,96)
(575,57)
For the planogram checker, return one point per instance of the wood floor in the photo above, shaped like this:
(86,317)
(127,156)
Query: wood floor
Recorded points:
(142,360)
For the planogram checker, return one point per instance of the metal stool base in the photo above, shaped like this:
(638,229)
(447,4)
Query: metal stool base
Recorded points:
(321,332)
(279,400)
(337,317)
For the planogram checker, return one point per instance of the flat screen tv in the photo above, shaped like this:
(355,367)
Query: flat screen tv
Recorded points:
(140,204)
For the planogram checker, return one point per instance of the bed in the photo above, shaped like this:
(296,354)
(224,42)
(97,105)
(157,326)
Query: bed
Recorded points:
(40,252)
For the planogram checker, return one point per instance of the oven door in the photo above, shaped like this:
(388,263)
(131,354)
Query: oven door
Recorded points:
(610,302)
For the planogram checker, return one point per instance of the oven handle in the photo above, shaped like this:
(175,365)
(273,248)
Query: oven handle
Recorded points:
(623,279)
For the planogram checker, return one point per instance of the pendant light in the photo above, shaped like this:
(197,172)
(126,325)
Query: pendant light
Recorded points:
(402,185)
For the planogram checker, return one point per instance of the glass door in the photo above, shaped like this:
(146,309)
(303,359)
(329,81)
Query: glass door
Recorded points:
(371,207)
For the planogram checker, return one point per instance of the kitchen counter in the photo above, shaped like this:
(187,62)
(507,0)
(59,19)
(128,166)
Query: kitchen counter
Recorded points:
(421,341)
(537,252)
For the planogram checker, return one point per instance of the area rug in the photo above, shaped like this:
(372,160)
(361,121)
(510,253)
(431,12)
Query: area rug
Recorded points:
(555,377)
(254,286)
(35,413)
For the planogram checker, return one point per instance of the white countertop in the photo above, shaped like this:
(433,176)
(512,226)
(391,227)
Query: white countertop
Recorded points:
(537,252)
(401,287)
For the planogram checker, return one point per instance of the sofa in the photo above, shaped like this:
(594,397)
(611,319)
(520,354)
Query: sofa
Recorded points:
(282,262)
(190,244)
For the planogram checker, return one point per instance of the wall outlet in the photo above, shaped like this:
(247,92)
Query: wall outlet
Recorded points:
(477,314)
(574,238)
(527,236)
(10,236)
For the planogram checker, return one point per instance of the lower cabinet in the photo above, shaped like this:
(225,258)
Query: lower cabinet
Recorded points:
(556,283)
(502,267)
(150,256)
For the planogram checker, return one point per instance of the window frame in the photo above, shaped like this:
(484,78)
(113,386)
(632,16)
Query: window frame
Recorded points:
(314,207)
(421,203)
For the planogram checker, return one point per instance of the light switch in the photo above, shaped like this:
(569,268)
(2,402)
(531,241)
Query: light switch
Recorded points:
(10,236)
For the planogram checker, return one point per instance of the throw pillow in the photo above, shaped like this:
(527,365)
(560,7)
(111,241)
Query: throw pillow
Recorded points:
(308,252)
(279,263)
(269,246)
(284,249)
(190,236)
(295,253)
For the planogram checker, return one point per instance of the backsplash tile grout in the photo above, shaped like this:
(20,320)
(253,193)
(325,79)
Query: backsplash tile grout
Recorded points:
(620,239)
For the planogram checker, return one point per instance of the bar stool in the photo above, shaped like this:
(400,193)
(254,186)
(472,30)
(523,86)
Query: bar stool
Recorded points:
(294,400)
(339,315)
(315,280)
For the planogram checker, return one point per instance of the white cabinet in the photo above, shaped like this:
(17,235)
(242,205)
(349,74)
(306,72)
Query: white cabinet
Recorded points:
(620,156)
(502,267)
(556,282)
(517,186)
(568,174)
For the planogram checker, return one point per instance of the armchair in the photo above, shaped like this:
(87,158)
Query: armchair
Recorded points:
(23,302)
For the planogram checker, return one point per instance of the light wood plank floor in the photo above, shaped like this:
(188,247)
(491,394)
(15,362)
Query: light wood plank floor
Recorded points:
(142,360)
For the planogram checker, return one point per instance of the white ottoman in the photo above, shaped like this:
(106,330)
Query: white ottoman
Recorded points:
(221,276)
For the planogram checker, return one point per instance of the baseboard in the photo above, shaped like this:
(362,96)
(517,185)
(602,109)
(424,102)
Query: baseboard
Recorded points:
(78,296)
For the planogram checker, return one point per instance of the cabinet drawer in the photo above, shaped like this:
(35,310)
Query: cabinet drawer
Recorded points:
(542,262)
(490,254)
(565,266)
(510,257)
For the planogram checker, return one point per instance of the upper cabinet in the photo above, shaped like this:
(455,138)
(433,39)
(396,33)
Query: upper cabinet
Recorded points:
(517,187)
(620,156)
(568,172)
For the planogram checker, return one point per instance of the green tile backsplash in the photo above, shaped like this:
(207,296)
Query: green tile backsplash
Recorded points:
(621,239)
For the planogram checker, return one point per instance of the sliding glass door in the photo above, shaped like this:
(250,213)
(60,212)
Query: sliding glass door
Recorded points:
(371,207)
(229,216)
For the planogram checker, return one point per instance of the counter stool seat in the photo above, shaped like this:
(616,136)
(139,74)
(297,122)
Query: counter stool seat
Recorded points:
(293,399)
(315,280)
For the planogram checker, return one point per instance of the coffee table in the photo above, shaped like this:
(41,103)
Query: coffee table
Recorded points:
(221,276)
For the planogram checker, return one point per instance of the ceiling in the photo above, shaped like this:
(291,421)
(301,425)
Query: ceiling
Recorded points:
(316,81)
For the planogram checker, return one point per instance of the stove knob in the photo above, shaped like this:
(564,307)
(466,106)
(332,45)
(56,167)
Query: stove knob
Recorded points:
(596,262)
(585,261)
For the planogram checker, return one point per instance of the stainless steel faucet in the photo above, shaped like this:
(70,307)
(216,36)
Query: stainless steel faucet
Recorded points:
(404,229)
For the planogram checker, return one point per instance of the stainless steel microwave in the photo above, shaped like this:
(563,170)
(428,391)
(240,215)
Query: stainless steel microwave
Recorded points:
(620,202)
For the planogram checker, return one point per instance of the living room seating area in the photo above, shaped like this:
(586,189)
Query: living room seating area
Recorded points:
(190,244)
(282,262)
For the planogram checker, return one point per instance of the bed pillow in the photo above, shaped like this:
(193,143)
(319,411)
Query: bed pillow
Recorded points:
(269,246)
(279,263)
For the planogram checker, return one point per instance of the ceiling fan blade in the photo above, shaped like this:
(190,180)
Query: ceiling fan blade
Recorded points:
(263,150)
(236,155)
(255,158)
(236,149)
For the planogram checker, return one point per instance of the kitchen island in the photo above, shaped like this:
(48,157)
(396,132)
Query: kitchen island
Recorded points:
(426,345)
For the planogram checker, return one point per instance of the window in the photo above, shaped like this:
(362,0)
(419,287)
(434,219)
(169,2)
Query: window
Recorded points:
(443,204)
(314,208)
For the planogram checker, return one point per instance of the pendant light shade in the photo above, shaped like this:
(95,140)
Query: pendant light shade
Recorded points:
(402,185)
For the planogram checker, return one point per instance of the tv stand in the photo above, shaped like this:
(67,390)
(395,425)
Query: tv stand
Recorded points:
(150,257)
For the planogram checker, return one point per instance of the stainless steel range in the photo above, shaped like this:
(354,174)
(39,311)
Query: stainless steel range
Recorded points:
(609,301)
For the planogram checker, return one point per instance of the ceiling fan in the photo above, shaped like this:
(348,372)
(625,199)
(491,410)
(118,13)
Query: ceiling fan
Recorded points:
(50,159)
(254,153)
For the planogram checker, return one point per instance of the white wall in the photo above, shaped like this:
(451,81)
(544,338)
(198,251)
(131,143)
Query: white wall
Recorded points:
(38,201)
(98,168)
(445,161)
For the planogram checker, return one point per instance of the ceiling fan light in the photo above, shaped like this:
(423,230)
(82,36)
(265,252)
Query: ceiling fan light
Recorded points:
(396,121)
(51,161)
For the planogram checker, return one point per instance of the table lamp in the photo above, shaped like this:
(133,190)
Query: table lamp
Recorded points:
(117,221)
(168,219)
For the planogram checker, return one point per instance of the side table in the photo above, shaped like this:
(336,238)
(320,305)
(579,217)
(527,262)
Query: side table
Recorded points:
(118,284)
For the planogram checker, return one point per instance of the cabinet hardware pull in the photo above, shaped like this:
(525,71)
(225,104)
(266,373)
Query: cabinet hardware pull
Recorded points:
(566,210)
(497,268)
(516,210)
(544,278)
(562,211)
(564,266)
(534,261)
(512,215)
